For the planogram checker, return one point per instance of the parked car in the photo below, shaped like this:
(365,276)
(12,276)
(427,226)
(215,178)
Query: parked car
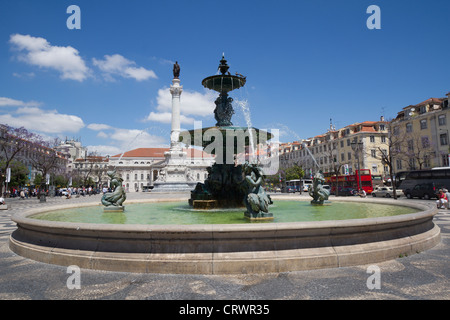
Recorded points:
(387,192)
(347,192)
(423,190)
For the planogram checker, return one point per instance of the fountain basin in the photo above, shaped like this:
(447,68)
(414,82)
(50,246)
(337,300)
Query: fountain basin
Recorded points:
(223,83)
(224,248)
(239,137)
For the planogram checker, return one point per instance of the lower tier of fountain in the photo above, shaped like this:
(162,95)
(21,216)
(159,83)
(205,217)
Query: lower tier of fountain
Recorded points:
(226,248)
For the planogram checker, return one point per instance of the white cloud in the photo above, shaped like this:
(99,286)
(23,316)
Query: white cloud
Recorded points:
(191,104)
(24,75)
(119,65)
(130,139)
(98,126)
(166,117)
(46,121)
(8,102)
(125,139)
(104,150)
(102,134)
(39,52)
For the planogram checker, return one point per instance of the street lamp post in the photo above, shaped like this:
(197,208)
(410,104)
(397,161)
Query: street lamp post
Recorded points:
(357,147)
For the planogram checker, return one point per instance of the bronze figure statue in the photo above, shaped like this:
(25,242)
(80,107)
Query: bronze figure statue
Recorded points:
(176,70)
(117,196)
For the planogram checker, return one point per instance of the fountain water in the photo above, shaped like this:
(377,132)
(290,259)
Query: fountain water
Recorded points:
(137,136)
(243,104)
(299,139)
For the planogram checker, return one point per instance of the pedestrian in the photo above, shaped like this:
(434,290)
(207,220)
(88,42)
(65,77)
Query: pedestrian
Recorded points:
(447,194)
(442,201)
(22,194)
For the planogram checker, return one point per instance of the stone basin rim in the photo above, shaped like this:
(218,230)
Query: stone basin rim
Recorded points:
(225,249)
(426,211)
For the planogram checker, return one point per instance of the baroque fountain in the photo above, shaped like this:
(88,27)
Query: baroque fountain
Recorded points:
(171,235)
(229,184)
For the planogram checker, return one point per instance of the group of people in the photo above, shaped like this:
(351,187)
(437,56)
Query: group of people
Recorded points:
(443,197)
(81,191)
(22,193)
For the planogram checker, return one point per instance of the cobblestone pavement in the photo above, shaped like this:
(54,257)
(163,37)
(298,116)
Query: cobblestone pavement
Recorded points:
(421,276)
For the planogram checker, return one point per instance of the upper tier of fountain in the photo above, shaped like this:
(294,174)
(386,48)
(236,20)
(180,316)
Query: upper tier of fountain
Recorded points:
(224,82)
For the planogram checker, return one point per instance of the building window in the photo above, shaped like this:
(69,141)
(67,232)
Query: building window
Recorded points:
(422,109)
(396,131)
(382,127)
(425,142)
(135,176)
(409,127)
(349,155)
(399,164)
(445,160)
(128,176)
(348,142)
(373,153)
(412,164)
(423,124)
(142,176)
(342,157)
(342,143)
(442,120)
(443,139)
(383,139)
(372,138)
(410,145)
(426,161)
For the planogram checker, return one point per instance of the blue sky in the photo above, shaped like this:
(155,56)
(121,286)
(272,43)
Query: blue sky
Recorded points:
(305,62)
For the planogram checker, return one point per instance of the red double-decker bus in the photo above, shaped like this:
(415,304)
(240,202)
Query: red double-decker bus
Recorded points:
(351,181)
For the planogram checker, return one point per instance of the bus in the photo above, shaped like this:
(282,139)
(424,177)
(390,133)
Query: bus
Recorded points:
(409,179)
(298,185)
(351,181)
(293,185)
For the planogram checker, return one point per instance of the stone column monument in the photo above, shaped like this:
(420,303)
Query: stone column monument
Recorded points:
(175,91)
(174,176)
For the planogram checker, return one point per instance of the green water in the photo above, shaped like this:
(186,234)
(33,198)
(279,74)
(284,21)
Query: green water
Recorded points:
(164,213)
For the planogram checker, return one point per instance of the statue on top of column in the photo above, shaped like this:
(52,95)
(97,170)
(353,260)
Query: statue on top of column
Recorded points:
(176,70)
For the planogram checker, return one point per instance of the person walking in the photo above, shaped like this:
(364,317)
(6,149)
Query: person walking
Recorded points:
(442,201)
(447,194)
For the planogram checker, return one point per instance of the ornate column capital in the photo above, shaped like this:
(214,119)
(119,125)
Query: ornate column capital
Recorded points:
(175,88)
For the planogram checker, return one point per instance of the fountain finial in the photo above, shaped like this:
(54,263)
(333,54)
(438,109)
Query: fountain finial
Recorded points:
(223,67)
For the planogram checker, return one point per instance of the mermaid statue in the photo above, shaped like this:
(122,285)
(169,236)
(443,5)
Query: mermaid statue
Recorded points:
(317,191)
(256,199)
(116,198)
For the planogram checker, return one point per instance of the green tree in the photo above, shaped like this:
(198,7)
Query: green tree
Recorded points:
(295,172)
(19,173)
